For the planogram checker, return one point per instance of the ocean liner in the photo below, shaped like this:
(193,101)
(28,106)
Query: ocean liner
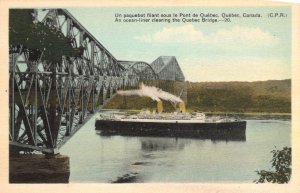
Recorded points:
(177,124)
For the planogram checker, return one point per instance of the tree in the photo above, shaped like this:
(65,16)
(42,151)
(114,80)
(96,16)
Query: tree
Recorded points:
(37,38)
(281,162)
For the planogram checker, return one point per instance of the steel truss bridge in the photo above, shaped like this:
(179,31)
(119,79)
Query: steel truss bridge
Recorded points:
(49,103)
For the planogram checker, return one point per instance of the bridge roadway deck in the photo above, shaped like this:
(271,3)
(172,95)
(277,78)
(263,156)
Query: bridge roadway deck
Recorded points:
(77,128)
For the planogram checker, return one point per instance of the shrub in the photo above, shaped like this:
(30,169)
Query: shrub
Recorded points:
(281,162)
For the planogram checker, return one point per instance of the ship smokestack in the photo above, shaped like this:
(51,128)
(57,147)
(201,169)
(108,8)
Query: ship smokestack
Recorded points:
(182,107)
(160,107)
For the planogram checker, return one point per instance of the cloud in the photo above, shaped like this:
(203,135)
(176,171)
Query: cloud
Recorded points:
(235,69)
(236,36)
(144,38)
(238,53)
(243,36)
(180,34)
(186,33)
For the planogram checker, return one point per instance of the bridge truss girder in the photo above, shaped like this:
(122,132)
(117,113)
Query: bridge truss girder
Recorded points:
(137,72)
(49,101)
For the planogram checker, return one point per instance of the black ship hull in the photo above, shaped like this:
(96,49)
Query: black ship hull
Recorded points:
(235,130)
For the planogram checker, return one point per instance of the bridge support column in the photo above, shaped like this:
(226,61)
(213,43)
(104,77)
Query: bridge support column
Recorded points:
(40,168)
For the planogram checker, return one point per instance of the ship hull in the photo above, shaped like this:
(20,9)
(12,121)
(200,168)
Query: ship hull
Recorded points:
(235,130)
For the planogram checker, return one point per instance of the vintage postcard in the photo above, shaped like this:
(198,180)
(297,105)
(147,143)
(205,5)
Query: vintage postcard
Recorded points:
(150,97)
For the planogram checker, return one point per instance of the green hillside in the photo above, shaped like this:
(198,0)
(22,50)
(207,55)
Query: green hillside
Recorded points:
(273,96)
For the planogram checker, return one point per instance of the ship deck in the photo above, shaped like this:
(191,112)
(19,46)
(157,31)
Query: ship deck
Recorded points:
(166,121)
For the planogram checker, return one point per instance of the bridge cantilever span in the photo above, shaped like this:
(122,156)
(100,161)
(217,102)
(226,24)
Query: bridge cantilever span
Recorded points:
(138,71)
(49,102)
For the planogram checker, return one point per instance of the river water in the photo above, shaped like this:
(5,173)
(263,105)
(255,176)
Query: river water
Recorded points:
(104,159)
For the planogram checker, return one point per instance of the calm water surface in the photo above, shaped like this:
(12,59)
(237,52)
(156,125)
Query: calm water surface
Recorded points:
(96,158)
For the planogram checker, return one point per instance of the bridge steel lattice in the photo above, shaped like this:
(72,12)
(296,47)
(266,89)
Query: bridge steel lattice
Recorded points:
(49,102)
(138,71)
(170,75)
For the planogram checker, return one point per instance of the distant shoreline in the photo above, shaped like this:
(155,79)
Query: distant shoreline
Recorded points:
(255,115)
(264,98)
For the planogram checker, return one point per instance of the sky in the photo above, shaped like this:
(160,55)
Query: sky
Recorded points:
(245,49)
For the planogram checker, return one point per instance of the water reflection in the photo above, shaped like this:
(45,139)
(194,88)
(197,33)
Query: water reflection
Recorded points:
(162,144)
(116,158)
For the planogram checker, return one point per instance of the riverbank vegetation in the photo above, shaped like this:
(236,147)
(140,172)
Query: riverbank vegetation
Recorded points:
(281,165)
(272,96)
(28,35)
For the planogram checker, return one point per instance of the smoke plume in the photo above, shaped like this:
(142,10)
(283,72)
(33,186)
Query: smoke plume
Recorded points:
(152,92)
